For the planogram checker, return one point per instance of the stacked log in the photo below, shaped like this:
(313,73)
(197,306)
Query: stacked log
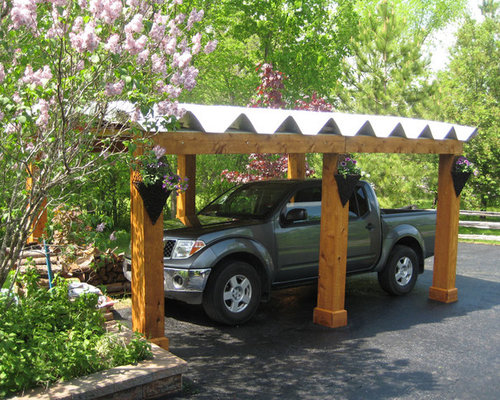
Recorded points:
(94,267)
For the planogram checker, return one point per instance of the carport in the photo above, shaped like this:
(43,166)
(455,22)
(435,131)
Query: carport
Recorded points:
(238,130)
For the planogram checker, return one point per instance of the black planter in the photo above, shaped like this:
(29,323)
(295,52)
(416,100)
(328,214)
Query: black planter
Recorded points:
(459,180)
(346,185)
(154,198)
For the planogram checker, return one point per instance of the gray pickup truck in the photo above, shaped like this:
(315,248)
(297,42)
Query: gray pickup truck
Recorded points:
(264,235)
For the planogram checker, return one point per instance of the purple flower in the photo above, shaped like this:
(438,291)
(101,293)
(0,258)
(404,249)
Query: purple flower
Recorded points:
(100,227)
(112,236)
(159,151)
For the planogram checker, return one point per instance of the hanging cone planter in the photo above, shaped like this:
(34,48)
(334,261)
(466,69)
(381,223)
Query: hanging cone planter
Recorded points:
(459,180)
(154,198)
(346,185)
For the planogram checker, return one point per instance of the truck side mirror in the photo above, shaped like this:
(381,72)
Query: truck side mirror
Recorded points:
(296,214)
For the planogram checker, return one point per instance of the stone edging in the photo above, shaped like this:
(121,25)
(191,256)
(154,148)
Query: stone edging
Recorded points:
(161,375)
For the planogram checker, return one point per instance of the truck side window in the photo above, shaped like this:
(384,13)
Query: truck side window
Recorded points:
(362,200)
(310,199)
(358,203)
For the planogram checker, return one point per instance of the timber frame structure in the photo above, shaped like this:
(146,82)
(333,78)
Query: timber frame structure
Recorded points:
(238,130)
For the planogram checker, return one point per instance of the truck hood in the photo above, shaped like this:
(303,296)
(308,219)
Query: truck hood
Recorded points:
(211,232)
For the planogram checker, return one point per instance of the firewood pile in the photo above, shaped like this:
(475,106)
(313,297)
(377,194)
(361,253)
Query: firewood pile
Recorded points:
(90,265)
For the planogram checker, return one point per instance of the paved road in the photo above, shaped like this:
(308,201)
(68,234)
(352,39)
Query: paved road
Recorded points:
(392,348)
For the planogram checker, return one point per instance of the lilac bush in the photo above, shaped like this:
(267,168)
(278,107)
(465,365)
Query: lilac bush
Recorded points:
(63,63)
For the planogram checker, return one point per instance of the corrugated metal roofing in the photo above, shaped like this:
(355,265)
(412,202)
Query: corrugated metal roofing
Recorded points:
(222,119)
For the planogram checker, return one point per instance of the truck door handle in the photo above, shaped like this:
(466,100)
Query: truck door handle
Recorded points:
(370,226)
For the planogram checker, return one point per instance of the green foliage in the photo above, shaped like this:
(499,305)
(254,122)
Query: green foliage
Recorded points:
(209,183)
(387,74)
(227,76)
(303,39)
(469,94)
(402,179)
(420,15)
(48,338)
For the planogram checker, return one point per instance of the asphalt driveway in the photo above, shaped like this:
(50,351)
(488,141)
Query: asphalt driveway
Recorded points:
(393,348)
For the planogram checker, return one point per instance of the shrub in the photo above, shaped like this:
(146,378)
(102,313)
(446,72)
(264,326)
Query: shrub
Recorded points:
(46,338)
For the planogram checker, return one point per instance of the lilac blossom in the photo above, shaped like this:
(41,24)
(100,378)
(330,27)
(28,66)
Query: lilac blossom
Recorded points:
(37,78)
(2,73)
(158,65)
(159,151)
(114,89)
(113,44)
(194,16)
(100,227)
(135,25)
(196,40)
(134,46)
(23,13)
(86,40)
(210,46)
(43,119)
(107,11)
(143,57)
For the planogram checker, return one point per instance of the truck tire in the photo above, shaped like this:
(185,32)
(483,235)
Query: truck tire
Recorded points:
(400,273)
(233,293)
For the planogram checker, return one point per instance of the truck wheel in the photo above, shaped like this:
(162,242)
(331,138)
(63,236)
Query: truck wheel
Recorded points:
(400,273)
(233,293)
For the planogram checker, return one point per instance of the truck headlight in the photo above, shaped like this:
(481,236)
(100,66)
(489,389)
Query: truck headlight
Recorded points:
(186,248)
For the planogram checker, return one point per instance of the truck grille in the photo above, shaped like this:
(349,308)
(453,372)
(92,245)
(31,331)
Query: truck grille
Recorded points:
(169,247)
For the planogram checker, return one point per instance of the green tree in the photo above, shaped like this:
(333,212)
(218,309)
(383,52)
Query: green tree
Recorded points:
(387,73)
(306,40)
(424,16)
(469,94)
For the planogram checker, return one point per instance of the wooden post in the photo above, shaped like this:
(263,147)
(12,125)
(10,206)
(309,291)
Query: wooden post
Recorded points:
(148,303)
(445,248)
(296,166)
(38,225)
(186,201)
(333,250)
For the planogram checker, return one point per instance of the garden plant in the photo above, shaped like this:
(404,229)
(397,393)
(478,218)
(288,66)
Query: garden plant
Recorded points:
(45,337)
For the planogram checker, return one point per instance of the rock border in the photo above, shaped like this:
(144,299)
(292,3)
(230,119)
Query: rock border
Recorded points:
(159,376)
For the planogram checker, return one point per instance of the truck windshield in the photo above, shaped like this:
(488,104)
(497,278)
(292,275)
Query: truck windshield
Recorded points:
(247,201)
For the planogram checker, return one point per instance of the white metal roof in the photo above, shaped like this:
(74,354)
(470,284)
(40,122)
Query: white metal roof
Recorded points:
(222,119)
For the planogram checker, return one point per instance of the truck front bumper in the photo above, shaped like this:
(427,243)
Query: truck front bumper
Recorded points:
(186,285)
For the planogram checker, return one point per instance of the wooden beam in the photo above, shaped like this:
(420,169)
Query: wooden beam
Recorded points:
(333,250)
(370,144)
(186,201)
(246,143)
(445,248)
(148,308)
(296,166)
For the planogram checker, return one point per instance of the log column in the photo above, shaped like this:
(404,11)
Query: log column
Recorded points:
(333,250)
(186,201)
(39,223)
(148,306)
(296,166)
(445,248)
